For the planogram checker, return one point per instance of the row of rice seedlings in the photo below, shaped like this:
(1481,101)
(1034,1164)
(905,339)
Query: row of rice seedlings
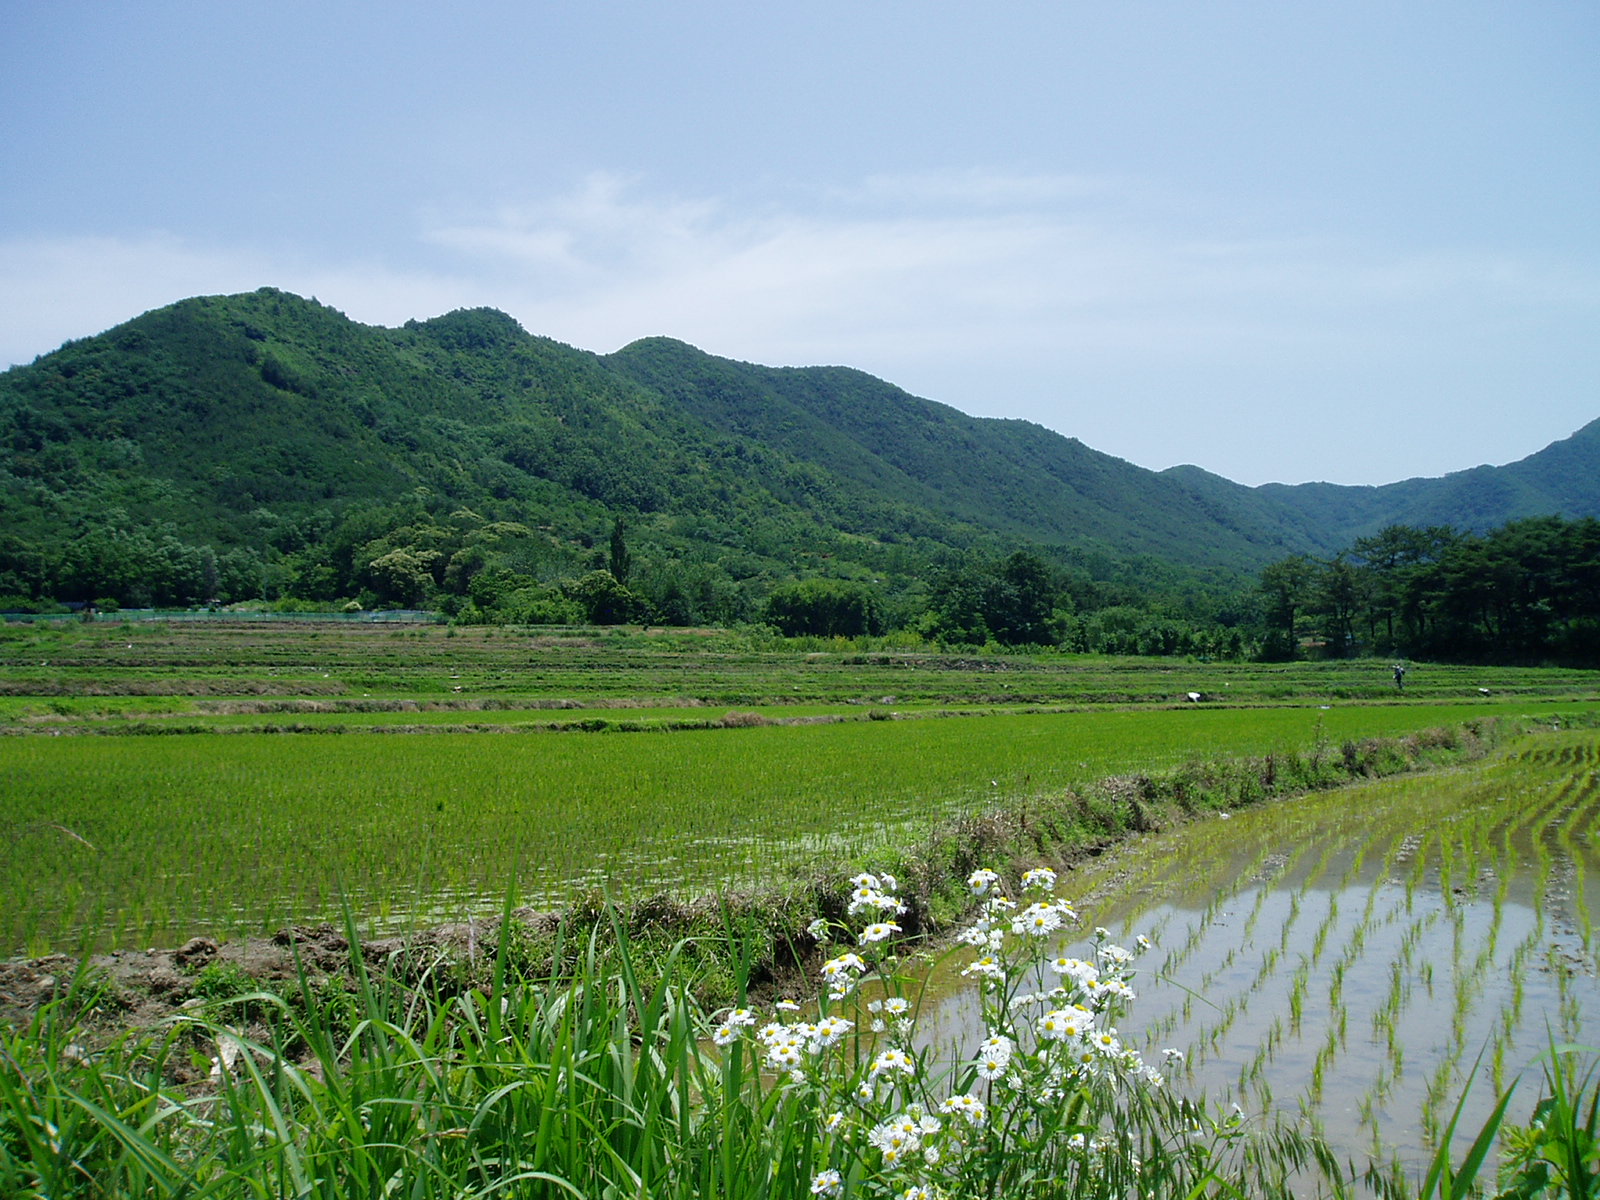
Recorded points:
(1453,924)
(1528,822)
(1298,986)
(1276,869)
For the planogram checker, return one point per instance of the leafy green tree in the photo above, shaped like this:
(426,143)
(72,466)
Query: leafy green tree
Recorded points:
(1011,602)
(1392,560)
(825,608)
(1021,600)
(403,577)
(1286,587)
(604,601)
(1339,595)
(619,560)
(958,609)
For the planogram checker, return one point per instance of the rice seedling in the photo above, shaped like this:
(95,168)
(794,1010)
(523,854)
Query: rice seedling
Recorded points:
(1419,920)
(176,836)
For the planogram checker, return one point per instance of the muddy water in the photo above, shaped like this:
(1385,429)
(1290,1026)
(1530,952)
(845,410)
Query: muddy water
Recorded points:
(1345,959)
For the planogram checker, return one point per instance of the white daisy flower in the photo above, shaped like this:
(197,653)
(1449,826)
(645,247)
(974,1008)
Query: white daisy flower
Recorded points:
(827,1183)
(1042,878)
(1037,920)
(891,1060)
(829,1030)
(992,1071)
(843,964)
(969,1107)
(987,967)
(893,1140)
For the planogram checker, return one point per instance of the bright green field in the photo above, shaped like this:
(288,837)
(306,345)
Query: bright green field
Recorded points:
(144,840)
(165,779)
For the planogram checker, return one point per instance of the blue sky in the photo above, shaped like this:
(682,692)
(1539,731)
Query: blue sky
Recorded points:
(1348,241)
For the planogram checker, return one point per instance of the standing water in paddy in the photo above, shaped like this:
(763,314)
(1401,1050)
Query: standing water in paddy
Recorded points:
(1346,957)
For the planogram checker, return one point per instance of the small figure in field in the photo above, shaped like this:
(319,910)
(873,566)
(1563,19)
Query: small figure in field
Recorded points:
(1399,677)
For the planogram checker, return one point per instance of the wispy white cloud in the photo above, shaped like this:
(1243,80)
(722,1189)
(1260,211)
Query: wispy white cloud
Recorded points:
(966,261)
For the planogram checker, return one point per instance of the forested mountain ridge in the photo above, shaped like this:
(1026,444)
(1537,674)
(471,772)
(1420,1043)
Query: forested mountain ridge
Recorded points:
(1563,479)
(264,444)
(1047,487)
(1011,476)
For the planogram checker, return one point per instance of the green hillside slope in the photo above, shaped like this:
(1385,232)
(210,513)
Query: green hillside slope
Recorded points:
(263,441)
(1012,476)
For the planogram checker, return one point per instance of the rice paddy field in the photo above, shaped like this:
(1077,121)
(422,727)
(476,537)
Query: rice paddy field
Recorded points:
(1361,959)
(161,781)
(1353,960)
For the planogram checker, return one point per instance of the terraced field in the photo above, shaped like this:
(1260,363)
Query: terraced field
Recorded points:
(637,761)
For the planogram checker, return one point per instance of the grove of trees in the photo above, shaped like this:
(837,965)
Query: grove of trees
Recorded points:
(1525,592)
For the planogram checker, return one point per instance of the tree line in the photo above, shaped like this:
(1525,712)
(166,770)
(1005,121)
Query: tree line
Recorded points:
(1528,591)
(476,570)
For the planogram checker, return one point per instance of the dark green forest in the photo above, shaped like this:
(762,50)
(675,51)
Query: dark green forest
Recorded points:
(264,448)
(1528,591)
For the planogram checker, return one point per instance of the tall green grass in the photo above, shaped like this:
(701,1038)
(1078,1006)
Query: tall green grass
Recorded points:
(606,1079)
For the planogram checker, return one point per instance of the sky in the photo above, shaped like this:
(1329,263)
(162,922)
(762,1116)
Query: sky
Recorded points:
(1348,241)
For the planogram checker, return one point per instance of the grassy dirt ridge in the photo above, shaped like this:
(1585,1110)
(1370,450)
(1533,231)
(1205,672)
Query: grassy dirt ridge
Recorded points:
(314,965)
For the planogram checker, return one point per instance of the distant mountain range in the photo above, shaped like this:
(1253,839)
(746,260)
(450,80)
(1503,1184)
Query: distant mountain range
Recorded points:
(270,423)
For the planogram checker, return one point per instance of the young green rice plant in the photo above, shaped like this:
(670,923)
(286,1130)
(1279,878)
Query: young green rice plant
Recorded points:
(1329,922)
(1297,996)
(154,824)
(1444,1179)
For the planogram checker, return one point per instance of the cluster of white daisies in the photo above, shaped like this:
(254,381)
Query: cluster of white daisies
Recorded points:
(883,1109)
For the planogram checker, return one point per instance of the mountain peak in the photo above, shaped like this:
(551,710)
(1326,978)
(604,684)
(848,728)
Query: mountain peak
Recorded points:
(481,329)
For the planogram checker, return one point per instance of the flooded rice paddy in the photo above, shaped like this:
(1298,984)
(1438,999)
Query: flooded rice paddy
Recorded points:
(1355,959)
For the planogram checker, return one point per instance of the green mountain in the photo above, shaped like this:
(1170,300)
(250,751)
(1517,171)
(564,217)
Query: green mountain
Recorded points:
(1563,479)
(267,442)
(1013,477)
